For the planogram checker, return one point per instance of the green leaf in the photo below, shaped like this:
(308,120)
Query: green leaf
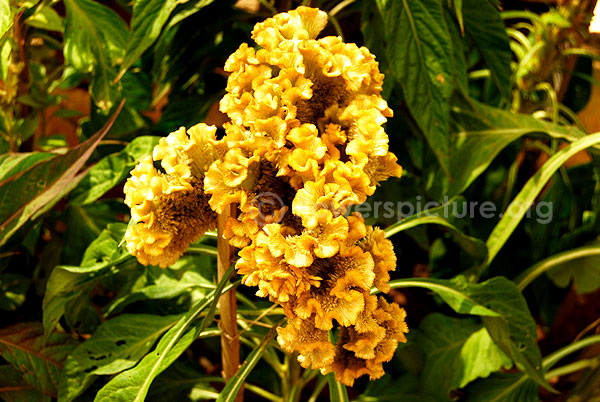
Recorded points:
(117,345)
(418,52)
(503,388)
(485,26)
(13,163)
(458,6)
(6,21)
(517,387)
(167,283)
(13,388)
(233,386)
(95,38)
(23,346)
(478,134)
(13,289)
(459,48)
(111,170)
(504,310)
(46,18)
(457,352)
(149,17)
(337,390)
(521,203)
(70,284)
(36,189)
(133,384)
(581,267)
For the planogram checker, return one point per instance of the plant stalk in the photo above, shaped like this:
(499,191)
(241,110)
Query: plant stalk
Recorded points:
(230,344)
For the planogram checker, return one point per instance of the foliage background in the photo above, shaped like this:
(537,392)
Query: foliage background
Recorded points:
(485,103)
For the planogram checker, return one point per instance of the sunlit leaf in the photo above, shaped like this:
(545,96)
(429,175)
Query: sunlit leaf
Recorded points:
(69,284)
(6,21)
(30,192)
(457,352)
(504,312)
(95,38)
(521,203)
(418,52)
(117,345)
(111,170)
(133,384)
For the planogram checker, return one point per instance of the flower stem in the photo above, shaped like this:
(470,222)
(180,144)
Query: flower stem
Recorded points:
(230,344)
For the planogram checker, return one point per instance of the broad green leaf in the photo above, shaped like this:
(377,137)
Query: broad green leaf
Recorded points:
(517,387)
(478,134)
(581,267)
(190,275)
(46,18)
(503,388)
(23,346)
(521,203)
(484,25)
(133,384)
(457,352)
(186,9)
(337,390)
(111,170)
(71,284)
(229,393)
(117,345)
(13,289)
(6,21)
(459,49)
(95,38)
(31,192)
(419,54)
(503,309)
(149,17)
(13,388)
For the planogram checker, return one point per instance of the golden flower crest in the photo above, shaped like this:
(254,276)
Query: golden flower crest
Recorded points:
(304,144)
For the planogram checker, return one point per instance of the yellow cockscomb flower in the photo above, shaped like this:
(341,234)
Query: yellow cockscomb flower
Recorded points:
(310,342)
(382,251)
(189,153)
(359,354)
(305,142)
(167,214)
(319,201)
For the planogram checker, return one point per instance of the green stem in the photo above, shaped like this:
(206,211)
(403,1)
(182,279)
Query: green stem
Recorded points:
(262,392)
(202,249)
(572,368)
(555,357)
(529,275)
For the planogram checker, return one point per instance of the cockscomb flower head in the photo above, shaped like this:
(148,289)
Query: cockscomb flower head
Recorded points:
(305,143)
(170,209)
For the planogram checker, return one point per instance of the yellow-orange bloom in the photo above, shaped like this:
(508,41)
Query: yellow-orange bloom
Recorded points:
(167,214)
